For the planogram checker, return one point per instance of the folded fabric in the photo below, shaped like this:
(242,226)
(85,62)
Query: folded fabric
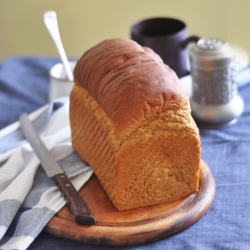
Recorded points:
(28,197)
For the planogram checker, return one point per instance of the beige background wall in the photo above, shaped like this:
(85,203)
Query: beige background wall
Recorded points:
(83,23)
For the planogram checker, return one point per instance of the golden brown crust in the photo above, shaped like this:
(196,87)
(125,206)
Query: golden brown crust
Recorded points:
(130,82)
(93,137)
(130,120)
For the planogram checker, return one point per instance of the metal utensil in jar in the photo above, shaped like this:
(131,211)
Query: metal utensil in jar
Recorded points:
(215,101)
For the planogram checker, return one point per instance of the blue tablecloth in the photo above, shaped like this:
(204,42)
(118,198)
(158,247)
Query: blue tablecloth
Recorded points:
(24,84)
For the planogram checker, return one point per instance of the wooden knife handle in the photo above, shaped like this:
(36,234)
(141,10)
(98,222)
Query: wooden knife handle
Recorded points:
(78,207)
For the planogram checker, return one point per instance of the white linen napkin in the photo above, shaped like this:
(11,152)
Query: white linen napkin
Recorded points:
(28,197)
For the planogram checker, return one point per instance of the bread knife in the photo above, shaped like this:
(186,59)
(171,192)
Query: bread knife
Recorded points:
(80,210)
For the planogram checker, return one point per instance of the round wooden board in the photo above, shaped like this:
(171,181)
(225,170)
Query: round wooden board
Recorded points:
(134,226)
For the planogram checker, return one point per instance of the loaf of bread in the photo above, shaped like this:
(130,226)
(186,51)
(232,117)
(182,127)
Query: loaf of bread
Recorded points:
(130,120)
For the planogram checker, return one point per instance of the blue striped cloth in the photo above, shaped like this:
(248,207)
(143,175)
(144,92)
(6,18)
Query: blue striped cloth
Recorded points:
(28,197)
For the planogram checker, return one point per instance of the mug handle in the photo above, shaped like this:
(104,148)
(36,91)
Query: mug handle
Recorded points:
(189,40)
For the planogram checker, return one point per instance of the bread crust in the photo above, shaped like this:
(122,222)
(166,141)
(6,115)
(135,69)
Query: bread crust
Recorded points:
(130,120)
(130,82)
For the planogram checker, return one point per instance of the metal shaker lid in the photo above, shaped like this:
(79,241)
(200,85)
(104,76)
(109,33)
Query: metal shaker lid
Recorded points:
(210,53)
(211,48)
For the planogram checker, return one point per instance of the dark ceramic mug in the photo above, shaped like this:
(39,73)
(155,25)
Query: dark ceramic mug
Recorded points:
(168,38)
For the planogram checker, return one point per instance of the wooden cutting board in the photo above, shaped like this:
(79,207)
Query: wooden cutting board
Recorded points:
(134,226)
